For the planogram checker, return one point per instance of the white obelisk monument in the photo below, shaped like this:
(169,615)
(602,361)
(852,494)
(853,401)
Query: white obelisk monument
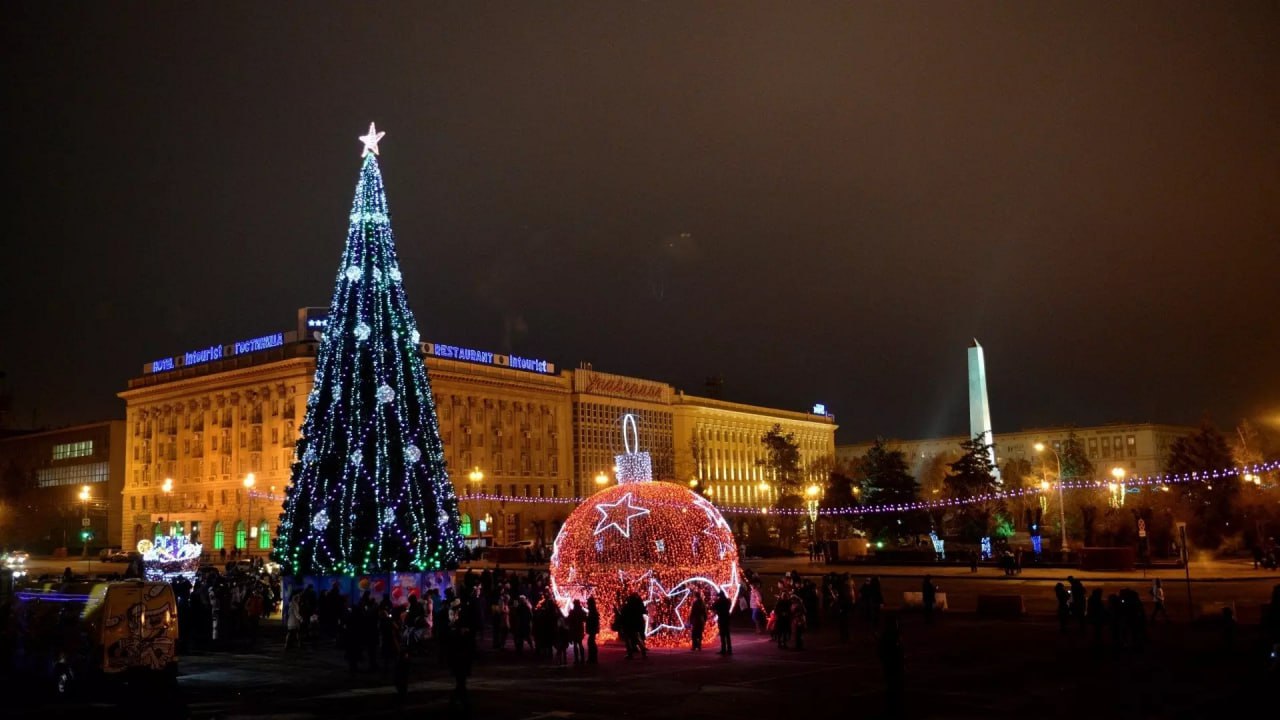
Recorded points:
(979,408)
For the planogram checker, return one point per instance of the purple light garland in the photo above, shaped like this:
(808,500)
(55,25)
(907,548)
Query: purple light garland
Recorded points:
(1159,480)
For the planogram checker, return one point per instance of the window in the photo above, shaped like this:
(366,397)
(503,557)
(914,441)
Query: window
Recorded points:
(464,524)
(65,451)
(1132,444)
(513,490)
(224,497)
(241,536)
(264,536)
(528,490)
(72,475)
(275,435)
(555,491)
(144,502)
(219,538)
(133,502)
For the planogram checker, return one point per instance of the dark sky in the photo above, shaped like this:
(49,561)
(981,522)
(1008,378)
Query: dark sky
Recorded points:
(821,202)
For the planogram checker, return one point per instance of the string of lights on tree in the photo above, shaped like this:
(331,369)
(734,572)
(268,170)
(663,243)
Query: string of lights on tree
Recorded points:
(370,492)
(1156,482)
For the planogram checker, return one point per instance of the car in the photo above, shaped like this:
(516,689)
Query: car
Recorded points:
(16,562)
(113,555)
(522,544)
(16,559)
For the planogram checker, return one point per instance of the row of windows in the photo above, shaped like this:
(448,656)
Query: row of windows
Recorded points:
(181,500)
(242,536)
(511,489)
(195,420)
(73,475)
(64,451)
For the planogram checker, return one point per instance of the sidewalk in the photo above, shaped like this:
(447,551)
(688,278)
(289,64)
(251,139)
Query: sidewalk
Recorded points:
(1209,571)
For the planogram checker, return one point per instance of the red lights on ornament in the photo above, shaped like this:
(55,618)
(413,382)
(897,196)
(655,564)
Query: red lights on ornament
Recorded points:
(658,540)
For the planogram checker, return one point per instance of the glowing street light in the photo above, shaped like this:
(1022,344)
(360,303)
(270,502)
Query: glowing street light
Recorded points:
(167,488)
(249,481)
(476,475)
(811,494)
(1117,487)
(84,523)
(1062,513)
(602,479)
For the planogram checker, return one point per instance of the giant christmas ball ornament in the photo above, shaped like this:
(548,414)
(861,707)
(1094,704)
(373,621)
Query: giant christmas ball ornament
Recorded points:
(656,539)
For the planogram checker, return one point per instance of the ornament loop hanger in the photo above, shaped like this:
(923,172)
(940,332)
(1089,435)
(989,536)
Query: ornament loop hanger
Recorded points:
(633,436)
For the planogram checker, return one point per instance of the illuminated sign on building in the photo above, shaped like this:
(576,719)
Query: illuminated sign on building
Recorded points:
(265,342)
(588,381)
(819,409)
(453,352)
(196,357)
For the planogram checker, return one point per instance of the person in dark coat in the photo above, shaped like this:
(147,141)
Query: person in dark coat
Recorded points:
(1078,600)
(593,629)
(522,624)
(697,621)
(577,631)
(1064,605)
(460,649)
(929,596)
(1096,614)
(723,610)
(633,620)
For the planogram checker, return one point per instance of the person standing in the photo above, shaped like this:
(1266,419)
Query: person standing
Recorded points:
(723,609)
(632,622)
(929,596)
(460,646)
(697,620)
(577,631)
(1078,600)
(1096,613)
(593,629)
(758,614)
(293,623)
(1157,599)
(1064,605)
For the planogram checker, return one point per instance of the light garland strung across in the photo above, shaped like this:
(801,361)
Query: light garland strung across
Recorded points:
(1157,481)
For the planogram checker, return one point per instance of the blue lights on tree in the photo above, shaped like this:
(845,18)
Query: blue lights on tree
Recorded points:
(370,492)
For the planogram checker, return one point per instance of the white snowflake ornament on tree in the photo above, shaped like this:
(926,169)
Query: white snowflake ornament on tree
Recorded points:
(361,332)
(356,458)
(320,520)
(389,517)
(385,393)
(412,453)
(354,273)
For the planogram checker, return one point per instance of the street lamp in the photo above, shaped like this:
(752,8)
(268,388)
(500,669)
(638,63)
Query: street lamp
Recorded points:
(1117,487)
(1062,513)
(602,479)
(249,480)
(84,524)
(167,487)
(811,504)
(476,475)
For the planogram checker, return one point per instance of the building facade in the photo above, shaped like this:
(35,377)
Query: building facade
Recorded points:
(57,483)
(1140,449)
(220,425)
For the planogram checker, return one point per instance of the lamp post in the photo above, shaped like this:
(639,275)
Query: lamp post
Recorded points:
(1062,513)
(249,480)
(1117,487)
(84,524)
(167,487)
(476,476)
(811,504)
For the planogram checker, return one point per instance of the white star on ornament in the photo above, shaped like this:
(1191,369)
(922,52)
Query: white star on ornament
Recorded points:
(371,140)
(664,607)
(628,511)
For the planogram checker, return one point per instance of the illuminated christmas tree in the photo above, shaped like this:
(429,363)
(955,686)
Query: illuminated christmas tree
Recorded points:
(370,492)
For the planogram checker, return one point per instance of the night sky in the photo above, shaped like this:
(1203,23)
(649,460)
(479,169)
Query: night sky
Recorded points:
(820,202)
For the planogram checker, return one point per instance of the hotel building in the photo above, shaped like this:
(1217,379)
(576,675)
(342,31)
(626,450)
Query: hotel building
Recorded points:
(221,424)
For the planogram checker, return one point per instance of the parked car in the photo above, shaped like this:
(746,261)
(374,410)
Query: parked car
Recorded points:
(113,555)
